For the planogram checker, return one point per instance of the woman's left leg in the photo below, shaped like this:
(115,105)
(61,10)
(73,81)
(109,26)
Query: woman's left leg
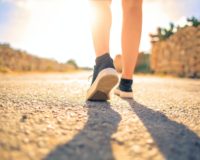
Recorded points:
(131,33)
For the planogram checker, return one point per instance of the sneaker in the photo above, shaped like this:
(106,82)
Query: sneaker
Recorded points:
(105,78)
(124,90)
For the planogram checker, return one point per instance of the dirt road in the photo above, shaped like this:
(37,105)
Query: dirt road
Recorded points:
(46,117)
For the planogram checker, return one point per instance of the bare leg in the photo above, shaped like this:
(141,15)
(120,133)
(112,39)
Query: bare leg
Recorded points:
(131,33)
(100,25)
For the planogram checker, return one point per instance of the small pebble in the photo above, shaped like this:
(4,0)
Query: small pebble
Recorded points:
(50,126)
(149,141)
(40,144)
(23,118)
(26,140)
(136,148)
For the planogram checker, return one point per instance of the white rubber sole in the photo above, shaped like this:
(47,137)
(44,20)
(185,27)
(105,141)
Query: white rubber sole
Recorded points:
(102,86)
(123,94)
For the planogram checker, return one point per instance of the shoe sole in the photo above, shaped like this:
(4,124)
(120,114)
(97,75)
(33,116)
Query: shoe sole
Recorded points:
(104,83)
(122,94)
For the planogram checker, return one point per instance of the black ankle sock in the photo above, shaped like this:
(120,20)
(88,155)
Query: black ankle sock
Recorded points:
(126,85)
(105,58)
(102,62)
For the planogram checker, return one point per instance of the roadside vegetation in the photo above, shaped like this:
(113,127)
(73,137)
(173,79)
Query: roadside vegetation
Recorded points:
(12,60)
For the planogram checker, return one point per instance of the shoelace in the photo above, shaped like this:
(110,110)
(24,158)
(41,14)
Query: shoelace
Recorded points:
(89,77)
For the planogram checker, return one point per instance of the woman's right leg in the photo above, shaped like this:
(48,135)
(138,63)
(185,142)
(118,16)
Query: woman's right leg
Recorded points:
(100,25)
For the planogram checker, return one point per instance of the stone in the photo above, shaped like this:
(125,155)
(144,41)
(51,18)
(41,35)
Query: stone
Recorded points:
(179,55)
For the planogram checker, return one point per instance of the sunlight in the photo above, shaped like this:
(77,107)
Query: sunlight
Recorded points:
(60,29)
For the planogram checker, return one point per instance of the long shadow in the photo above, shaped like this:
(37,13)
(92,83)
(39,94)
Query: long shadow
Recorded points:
(174,140)
(93,142)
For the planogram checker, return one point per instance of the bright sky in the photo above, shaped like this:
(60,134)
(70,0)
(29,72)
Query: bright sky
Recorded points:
(59,29)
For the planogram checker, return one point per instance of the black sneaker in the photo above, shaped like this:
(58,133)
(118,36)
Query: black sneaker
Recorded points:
(124,90)
(105,77)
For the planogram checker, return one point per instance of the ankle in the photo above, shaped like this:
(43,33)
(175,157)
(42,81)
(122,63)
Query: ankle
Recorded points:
(127,76)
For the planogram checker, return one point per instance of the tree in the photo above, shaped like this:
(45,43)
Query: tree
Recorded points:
(195,22)
(72,62)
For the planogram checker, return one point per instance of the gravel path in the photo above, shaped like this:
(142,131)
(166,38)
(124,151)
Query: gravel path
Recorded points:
(46,117)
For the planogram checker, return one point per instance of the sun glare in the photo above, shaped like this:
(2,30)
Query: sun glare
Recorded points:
(60,29)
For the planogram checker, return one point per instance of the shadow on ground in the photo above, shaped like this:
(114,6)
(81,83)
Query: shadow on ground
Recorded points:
(174,140)
(94,140)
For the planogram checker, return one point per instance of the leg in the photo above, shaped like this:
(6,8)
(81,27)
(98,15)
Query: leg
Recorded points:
(104,76)
(100,25)
(131,32)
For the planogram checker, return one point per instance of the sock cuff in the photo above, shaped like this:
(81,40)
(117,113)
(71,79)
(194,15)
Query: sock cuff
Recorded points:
(124,81)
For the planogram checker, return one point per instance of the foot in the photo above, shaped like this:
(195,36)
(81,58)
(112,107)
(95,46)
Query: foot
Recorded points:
(124,90)
(104,79)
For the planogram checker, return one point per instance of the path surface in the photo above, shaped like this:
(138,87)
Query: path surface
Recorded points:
(46,117)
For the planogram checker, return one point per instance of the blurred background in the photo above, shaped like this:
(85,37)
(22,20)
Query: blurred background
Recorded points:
(54,35)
